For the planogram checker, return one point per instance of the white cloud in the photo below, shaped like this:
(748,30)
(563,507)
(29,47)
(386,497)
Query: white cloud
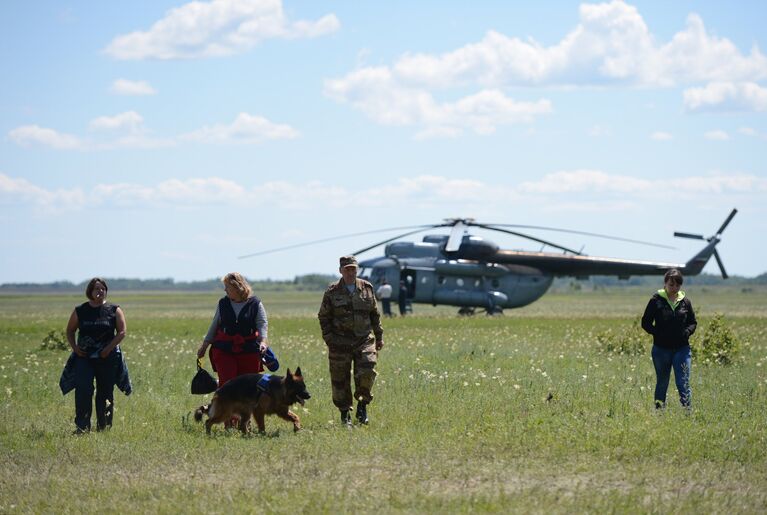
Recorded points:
(752,133)
(129,120)
(28,135)
(599,131)
(216,28)
(126,130)
(611,43)
(717,135)
(599,184)
(578,189)
(246,129)
(375,92)
(726,96)
(661,136)
(192,192)
(579,181)
(132,87)
(22,191)
(610,46)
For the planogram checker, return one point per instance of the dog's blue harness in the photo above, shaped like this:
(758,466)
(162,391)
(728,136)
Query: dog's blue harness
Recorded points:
(263,383)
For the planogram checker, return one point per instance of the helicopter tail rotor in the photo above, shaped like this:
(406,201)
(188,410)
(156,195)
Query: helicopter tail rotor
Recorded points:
(698,262)
(721,265)
(726,222)
(688,235)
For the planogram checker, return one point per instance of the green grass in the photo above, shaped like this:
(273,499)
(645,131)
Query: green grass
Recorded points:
(460,423)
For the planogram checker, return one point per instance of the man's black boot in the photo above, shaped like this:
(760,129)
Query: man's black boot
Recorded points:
(346,418)
(362,412)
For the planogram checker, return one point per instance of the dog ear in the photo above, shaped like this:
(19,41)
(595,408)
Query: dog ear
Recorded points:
(298,372)
(288,374)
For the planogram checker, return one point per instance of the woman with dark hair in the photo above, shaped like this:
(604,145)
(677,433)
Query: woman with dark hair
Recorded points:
(238,333)
(100,327)
(670,319)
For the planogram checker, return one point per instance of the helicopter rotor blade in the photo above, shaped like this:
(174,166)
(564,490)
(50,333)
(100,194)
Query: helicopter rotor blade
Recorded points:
(527,236)
(333,238)
(721,265)
(688,235)
(727,222)
(456,236)
(584,233)
(423,228)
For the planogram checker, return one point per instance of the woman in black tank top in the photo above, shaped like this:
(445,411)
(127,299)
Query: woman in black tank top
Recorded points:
(100,327)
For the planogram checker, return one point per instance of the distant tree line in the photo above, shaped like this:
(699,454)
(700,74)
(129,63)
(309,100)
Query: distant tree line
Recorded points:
(605,281)
(318,282)
(308,282)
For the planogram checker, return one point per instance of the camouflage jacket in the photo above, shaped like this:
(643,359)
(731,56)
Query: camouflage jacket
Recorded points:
(350,314)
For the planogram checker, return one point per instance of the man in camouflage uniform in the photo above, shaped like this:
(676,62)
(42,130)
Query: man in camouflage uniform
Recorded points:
(347,316)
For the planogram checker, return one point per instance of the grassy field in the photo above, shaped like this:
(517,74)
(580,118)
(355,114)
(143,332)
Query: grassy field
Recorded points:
(519,413)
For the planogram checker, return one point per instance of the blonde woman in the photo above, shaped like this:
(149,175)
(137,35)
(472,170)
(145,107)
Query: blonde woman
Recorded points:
(238,332)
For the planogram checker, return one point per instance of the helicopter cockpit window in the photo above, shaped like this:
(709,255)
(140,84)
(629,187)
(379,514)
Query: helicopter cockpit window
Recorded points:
(377,275)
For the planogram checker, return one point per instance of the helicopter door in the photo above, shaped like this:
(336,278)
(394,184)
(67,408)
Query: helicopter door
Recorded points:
(409,277)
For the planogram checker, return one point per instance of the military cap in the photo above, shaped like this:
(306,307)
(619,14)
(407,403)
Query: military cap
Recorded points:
(348,261)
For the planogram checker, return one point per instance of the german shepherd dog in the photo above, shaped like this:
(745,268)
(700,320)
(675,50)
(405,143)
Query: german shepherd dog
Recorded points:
(249,394)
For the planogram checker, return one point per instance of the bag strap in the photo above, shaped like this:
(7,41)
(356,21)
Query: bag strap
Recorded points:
(199,364)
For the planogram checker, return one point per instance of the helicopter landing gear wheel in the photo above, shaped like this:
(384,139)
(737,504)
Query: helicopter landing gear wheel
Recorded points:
(494,311)
(466,311)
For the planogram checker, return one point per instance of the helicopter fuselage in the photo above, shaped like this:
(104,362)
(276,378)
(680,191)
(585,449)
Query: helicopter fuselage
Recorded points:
(432,276)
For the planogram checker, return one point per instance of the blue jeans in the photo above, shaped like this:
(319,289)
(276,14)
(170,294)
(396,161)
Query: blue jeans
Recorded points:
(103,371)
(680,360)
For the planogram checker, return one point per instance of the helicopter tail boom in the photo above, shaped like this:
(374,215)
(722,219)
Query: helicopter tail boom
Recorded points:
(695,265)
(583,266)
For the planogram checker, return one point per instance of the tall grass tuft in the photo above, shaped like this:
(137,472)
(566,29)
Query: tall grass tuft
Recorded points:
(54,340)
(629,340)
(719,344)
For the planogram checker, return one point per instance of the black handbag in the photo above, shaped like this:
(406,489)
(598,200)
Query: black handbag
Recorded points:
(203,382)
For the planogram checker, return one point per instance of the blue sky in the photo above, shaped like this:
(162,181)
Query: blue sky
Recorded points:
(164,139)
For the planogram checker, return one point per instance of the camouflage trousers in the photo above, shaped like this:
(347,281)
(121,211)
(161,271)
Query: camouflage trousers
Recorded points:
(342,352)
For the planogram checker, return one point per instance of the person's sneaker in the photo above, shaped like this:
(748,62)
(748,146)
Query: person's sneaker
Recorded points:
(362,412)
(346,418)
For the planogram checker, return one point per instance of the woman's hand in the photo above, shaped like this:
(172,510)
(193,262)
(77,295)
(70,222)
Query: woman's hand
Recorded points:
(263,346)
(77,350)
(202,349)
(106,351)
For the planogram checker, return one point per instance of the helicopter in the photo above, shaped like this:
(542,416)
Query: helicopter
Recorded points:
(470,272)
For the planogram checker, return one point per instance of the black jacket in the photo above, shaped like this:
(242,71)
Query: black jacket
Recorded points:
(670,328)
(120,370)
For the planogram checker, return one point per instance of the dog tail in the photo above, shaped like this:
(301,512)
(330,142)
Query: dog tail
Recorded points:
(199,412)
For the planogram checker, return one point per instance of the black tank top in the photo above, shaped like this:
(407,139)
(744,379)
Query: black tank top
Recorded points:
(97,326)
